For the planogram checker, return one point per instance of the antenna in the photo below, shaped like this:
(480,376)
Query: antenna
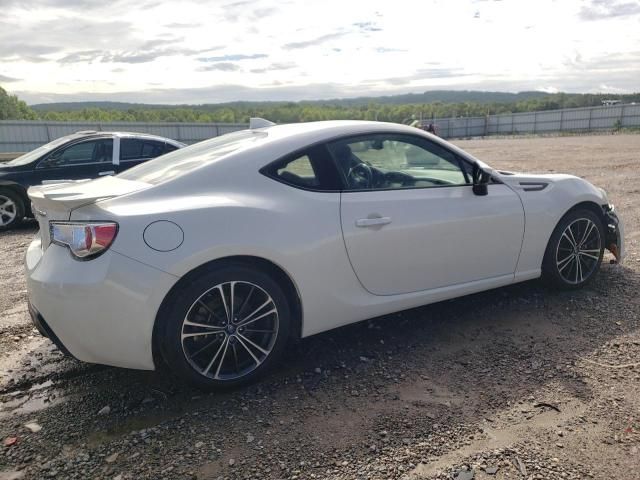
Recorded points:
(256,122)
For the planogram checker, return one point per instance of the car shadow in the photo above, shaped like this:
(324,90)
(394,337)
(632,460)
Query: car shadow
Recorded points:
(457,362)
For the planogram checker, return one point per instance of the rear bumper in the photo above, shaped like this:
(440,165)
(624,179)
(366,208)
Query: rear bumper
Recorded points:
(45,330)
(100,311)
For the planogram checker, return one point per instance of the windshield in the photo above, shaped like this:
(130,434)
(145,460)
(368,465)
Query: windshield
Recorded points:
(189,158)
(38,152)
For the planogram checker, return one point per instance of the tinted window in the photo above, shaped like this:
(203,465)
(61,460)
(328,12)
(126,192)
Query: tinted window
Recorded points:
(135,149)
(395,161)
(299,172)
(169,148)
(94,151)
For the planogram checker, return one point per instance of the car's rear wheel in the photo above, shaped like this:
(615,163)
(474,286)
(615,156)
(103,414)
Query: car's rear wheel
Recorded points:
(575,250)
(12,209)
(226,327)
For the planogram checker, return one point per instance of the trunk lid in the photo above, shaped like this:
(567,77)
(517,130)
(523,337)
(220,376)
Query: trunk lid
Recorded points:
(57,201)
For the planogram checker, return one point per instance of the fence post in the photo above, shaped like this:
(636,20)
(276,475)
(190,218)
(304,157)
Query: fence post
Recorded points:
(46,125)
(535,122)
(561,120)
(466,127)
(589,124)
(486,125)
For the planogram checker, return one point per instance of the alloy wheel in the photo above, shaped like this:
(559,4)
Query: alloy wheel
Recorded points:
(230,330)
(8,211)
(578,251)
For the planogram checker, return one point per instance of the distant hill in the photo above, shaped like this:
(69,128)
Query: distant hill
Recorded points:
(442,96)
(392,108)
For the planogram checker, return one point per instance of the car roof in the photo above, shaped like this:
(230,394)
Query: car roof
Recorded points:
(287,138)
(294,136)
(147,136)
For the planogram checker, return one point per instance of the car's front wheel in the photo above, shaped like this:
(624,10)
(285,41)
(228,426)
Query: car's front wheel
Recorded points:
(12,209)
(575,250)
(226,327)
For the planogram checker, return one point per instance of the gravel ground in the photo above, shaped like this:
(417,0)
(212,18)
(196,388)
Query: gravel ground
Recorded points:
(515,383)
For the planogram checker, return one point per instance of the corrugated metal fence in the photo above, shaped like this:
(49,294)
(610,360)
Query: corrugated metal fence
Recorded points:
(23,136)
(587,119)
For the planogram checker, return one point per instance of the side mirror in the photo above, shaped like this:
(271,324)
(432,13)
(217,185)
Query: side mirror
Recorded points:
(481,181)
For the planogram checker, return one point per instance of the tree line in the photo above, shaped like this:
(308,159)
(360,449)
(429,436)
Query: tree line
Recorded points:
(12,108)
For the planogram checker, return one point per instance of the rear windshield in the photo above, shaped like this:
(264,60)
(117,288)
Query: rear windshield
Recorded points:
(189,158)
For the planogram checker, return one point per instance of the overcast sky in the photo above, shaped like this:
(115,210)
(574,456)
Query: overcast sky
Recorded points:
(206,51)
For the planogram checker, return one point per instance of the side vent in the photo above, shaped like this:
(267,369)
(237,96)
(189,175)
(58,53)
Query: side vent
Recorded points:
(533,186)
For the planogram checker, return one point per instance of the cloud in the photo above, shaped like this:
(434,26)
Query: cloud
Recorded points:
(314,41)
(81,56)
(221,66)
(61,4)
(233,57)
(367,26)
(428,74)
(143,54)
(603,9)
(390,50)
(275,67)
(236,11)
(4,78)
(47,37)
(182,25)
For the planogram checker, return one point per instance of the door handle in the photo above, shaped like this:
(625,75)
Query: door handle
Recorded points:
(110,172)
(372,222)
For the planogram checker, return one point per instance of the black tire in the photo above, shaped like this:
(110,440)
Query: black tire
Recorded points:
(187,305)
(17,208)
(560,265)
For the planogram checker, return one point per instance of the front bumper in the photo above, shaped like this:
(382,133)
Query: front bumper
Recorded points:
(99,311)
(614,234)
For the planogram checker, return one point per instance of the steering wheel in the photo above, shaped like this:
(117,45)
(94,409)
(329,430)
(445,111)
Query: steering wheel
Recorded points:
(404,179)
(360,175)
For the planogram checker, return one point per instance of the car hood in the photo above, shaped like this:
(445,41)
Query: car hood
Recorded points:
(6,168)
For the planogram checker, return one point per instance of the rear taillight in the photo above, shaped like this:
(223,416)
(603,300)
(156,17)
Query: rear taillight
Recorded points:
(85,240)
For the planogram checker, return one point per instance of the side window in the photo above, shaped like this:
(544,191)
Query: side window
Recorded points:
(151,149)
(94,151)
(390,161)
(169,148)
(136,149)
(299,172)
(130,149)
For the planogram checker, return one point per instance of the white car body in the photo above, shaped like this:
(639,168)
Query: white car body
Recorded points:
(441,243)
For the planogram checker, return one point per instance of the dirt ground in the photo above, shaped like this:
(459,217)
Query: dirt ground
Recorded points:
(516,383)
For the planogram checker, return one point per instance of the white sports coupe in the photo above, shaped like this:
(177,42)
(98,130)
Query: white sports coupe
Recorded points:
(211,258)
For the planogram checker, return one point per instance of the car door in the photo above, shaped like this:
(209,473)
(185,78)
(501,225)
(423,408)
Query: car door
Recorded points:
(411,221)
(134,151)
(84,159)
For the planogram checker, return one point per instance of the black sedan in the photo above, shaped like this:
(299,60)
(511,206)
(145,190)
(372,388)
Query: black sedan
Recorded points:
(83,155)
